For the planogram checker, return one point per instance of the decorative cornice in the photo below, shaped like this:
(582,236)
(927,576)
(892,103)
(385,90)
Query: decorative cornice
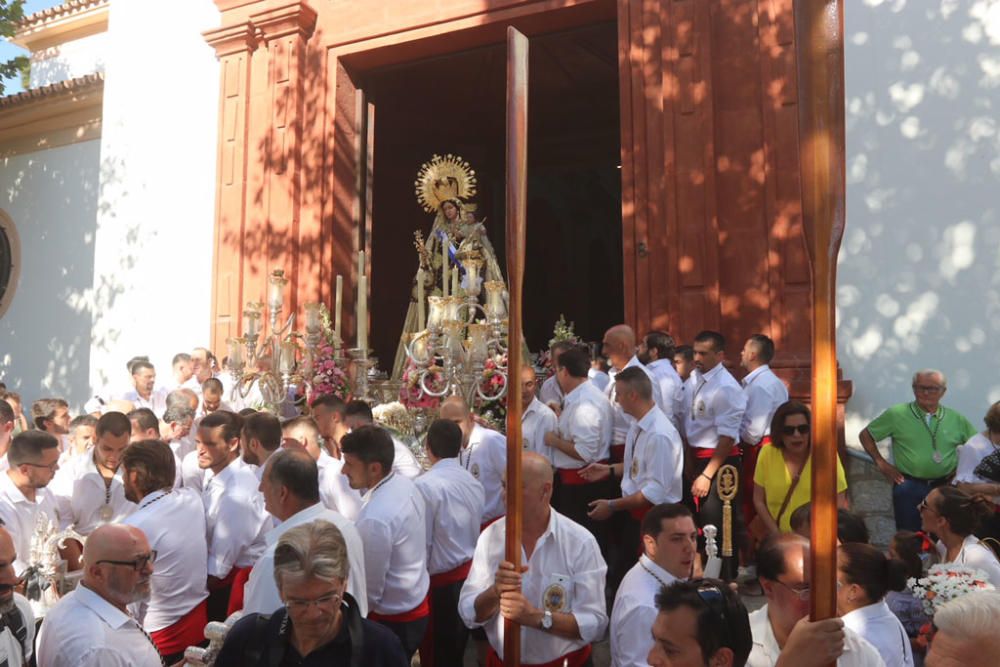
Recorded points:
(232,39)
(287,19)
(72,87)
(62,23)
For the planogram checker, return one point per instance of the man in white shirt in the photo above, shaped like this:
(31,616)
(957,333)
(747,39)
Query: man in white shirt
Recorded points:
(393,528)
(331,415)
(619,348)
(484,455)
(537,419)
(669,547)
(178,421)
(335,490)
(173,521)
(583,437)
(235,518)
(656,352)
(260,437)
(202,367)
(91,626)
(782,631)
(181,372)
(557,595)
(551,394)
(88,491)
(143,393)
(454,503)
(34,459)
(713,412)
(17,630)
(359,413)
(82,434)
(650,474)
(211,398)
(290,486)
(7,418)
(684,634)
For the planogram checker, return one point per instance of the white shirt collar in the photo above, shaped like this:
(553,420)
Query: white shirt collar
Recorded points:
(110,614)
(656,363)
(299,518)
(664,576)
(648,419)
(707,377)
(150,498)
(752,375)
(868,612)
(535,406)
(763,633)
(451,462)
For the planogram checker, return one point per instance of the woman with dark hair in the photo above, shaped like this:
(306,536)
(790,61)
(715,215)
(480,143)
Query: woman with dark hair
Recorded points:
(917,553)
(953,516)
(864,576)
(783,476)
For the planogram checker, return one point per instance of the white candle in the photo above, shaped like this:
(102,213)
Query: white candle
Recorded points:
(287,361)
(362,327)
(444,265)
(454,281)
(275,296)
(361,263)
(337,307)
(312,317)
(420,299)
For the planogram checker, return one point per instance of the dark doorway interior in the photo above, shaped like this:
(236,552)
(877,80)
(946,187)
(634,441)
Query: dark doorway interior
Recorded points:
(456,104)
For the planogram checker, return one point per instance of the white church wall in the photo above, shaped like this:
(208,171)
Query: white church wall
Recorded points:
(152,287)
(919,273)
(52,197)
(69,60)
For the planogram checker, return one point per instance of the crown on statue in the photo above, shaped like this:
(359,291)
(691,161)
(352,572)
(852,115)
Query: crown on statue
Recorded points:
(443,179)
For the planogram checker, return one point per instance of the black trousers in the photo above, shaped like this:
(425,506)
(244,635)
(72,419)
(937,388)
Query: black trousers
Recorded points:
(444,643)
(709,510)
(410,633)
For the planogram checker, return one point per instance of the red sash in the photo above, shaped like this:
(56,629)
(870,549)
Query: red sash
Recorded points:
(571,476)
(484,526)
(617,453)
(451,576)
(188,631)
(707,453)
(638,514)
(420,611)
(575,659)
(240,578)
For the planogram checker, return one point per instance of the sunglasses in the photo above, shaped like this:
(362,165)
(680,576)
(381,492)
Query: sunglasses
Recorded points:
(803,429)
(138,564)
(713,598)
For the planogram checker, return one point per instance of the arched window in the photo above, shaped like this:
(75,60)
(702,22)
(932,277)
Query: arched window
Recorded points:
(10,260)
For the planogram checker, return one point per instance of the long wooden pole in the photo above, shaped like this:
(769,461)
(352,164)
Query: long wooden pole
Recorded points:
(517,199)
(819,29)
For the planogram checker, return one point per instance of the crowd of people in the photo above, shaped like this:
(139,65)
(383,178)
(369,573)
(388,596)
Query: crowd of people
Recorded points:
(341,548)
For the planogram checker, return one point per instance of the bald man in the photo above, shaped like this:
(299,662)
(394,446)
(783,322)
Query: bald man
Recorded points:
(17,631)
(484,454)
(620,349)
(559,589)
(91,626)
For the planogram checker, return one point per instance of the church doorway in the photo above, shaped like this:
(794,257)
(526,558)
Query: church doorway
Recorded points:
(456,104)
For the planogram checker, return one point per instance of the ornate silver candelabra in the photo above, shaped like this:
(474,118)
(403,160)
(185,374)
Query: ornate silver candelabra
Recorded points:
(450,356)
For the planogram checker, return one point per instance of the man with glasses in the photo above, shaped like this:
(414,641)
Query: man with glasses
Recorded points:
(173,521)
(34,459)
(925,436)
(782,632)
(320,623)
(700,622)
(91,626)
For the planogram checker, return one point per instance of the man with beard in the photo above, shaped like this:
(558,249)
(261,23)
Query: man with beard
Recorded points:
(88,491)
(143,393)
(259,438)
(91,626)
(173,520)
(656,351)
(34,459)
(234,510)
(17,632)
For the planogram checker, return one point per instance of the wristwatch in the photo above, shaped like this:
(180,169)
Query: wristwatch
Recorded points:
(547,620)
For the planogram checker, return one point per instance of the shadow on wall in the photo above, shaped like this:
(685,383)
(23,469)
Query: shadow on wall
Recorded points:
(919,274)
(51,197)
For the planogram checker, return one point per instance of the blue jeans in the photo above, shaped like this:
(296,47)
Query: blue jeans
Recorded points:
(906,497)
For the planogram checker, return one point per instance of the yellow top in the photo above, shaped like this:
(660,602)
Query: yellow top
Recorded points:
(772,474)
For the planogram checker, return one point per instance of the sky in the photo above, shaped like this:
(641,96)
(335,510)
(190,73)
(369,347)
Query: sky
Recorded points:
(8,50)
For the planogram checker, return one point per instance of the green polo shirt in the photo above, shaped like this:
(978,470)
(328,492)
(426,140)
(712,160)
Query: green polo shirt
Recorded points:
(912,444)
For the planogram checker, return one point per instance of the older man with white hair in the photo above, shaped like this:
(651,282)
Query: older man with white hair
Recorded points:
(925,436)
(967,631)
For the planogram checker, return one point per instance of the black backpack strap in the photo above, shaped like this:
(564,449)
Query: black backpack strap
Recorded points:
(355,630)
(15,623)
(258,641)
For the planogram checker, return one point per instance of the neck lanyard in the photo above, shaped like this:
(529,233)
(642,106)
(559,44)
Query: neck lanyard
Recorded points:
(653,574)
(933,433)
(379,485)
(694,399)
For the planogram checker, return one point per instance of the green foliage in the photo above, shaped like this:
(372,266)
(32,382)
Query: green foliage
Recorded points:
(11,12)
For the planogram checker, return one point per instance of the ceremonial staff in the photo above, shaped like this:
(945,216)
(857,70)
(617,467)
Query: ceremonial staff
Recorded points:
(517,191)
(819,49)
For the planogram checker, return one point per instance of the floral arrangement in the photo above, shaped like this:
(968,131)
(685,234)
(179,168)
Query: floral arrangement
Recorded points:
(563,332)
(327,377)
(494,411)
(945,582)
(412,395)
(393,416)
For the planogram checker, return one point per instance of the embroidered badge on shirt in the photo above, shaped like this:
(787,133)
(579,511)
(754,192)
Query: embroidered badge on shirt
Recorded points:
(700,408)
(634,472)
(475,470)
(554,598)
